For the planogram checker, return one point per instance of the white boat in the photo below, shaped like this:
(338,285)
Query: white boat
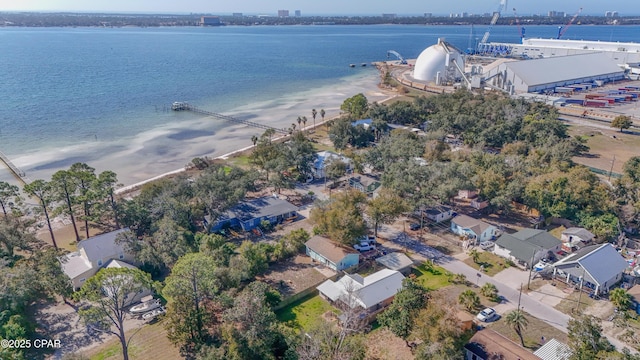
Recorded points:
(148,303)
(150,315)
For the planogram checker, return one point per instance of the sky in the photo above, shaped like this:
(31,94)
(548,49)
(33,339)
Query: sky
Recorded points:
(324,7)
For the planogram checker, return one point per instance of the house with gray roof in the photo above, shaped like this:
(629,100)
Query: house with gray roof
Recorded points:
(575,238)
(365,183)
(439,213)
(396,261)
(94,254)
(597,267)
(330,254)
(248,215)
(527,246)
(370,293)
(475,230)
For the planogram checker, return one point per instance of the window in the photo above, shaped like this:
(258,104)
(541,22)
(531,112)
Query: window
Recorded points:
(121,256)
(99,262)
(83,280)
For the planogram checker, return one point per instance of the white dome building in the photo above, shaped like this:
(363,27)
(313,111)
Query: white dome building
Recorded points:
(439,63)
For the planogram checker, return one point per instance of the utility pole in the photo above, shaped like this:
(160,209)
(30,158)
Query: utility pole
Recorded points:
(531,270)
(610,171)
(519,297)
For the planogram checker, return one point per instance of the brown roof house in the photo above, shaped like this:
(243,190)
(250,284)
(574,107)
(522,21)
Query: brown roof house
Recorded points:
(332,255)
(488,345)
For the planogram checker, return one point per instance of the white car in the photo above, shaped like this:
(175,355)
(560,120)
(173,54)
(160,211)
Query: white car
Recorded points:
(486,245)
(487,315)
(363,246)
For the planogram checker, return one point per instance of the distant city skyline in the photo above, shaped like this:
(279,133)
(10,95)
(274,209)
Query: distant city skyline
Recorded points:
(325,7)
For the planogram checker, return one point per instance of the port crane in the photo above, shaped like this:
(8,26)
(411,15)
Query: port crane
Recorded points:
(563,29)
(494,20)
(397,55)
(520,28)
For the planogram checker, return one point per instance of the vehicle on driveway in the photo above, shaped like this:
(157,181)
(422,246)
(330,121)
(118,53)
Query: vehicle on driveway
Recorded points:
(414,226)
(487,315)
(487,245)
(364,246)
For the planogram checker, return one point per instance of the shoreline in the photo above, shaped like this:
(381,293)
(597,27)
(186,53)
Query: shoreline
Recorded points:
(136,186)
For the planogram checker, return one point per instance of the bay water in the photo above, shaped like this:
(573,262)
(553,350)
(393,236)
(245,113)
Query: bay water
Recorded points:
(102,95)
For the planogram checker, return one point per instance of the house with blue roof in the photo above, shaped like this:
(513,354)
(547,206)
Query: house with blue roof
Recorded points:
(325,157)
(248,215)
(597,267)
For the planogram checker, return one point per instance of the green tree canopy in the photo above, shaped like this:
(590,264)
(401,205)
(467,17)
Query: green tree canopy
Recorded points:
(357,106)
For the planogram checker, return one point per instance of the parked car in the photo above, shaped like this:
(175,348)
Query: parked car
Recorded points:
(486,245)
(414,226)
(369,239)
(487,315)
(364,246)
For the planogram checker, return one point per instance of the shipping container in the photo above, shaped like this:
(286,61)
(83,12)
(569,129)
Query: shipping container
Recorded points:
(574,101)
(592,96)
(595,103)
(562,90)
(608,100)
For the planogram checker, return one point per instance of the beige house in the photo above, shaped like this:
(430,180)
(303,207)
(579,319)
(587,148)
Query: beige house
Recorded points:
(94,254)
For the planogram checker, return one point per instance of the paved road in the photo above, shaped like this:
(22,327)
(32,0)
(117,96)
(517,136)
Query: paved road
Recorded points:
(537,309)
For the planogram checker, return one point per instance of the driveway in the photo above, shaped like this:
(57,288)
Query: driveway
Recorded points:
(512,277)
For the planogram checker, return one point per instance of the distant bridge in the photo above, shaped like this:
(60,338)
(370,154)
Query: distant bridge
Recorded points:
(19,174)
(183,106)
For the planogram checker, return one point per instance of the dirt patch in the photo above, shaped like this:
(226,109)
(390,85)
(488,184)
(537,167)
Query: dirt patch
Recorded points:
(382,344)
(605,146)
(293,276)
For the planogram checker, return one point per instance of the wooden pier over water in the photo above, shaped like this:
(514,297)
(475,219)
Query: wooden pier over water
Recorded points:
(183,106)
(19,174)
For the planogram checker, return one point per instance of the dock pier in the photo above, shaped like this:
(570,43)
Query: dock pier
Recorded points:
(183,106)
(19,174)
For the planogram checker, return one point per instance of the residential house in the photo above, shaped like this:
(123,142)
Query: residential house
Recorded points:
(575,238)
(479,204)
(467,194)
(248,215)
(439,213)
(597,267)
(527,246)
(371,293)
(476,230)
(325,157)
(94,254)
(488,345)
(330,254)
(554,350)
(396,261)
(365,183)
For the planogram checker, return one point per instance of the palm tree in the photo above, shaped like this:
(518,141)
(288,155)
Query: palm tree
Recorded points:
(489,290)
(304,122)
(518,323)
(620,298)
(299,120)
(322,112)
(313,114)
(254,140)
(475,255)
(469,300)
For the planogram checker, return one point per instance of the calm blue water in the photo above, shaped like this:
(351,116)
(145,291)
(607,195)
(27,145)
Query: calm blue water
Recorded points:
(64,87)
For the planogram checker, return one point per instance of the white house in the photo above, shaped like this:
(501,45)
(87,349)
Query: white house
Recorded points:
(439,213)
(476,230)
(371,293)
(598,267)
(93,254)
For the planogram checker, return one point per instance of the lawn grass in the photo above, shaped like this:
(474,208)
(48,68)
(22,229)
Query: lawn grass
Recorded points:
(569,304)
(304,313)
(533,332)
(492,263)
(240,161)
(433,278)
(150,342)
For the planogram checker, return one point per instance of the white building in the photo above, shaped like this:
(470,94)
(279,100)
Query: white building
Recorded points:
(93,254)
(439,64)
(370,293)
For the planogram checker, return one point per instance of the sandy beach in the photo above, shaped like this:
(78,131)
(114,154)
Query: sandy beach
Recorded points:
(169,148)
